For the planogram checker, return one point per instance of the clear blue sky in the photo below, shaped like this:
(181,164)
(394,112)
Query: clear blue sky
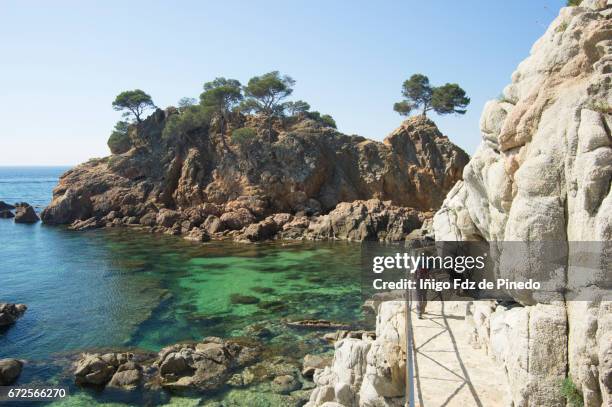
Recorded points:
(62,63)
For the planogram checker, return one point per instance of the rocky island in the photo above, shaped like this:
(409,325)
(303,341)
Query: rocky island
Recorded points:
(303,180)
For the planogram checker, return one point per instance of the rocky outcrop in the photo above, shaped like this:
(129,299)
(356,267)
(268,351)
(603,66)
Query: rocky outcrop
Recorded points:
(543,173)
(9,313)
(299,181)
(197,367)
(202,366)
(367,371)
(24,213)
(10,369)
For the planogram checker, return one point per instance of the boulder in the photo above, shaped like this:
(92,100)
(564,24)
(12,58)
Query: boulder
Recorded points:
(10,369)
(212,224)
(149,219)
(167,217)
(24,213)
(198,235)
(9,313)
(237,219)
(313,362)
(365,220)
(6,214)
(128,376)
(206,365)
(264,230)
(95,369)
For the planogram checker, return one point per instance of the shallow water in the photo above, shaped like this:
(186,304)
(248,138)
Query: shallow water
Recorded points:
(123,287)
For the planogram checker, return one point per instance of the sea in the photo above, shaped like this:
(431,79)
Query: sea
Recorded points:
(122,288)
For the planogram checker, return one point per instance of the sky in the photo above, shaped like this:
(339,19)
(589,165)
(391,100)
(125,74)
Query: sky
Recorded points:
(62,62)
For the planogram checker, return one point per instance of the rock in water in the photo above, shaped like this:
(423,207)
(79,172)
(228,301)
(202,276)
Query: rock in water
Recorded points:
(6,214)
(304,170)
(10,369)
(24,213)
(9,313)
(5,206)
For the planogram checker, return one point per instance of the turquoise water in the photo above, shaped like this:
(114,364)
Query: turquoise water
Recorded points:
(125,288)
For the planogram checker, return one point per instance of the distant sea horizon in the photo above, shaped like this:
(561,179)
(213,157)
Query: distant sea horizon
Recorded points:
(29,183)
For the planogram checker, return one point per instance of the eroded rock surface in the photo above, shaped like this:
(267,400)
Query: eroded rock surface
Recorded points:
(25,213)
(193,367)
(543,173)
(307,180)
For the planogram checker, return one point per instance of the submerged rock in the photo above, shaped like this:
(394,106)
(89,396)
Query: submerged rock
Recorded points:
(285,384)
(10,369)
(316,324)
(9,313)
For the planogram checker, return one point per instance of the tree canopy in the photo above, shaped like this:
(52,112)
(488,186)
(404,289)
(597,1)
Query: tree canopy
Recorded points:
(220,97)
(265,93)
(419,94)
(133,102)
(297,107)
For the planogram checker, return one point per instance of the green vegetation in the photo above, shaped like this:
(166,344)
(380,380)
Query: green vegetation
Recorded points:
(418,93)
(223,100)
(133,103)
(187,121)
(296,108)
(325,119)
(220,97)
(571,393)
(265,93)
(186,102)
(119,141)
(573,3)
(243,135)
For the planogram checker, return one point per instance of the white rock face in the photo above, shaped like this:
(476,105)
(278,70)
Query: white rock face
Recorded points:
(543,172)
(365,372)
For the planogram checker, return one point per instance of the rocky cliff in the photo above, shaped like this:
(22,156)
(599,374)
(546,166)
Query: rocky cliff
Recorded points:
(543,173)
(288,184)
